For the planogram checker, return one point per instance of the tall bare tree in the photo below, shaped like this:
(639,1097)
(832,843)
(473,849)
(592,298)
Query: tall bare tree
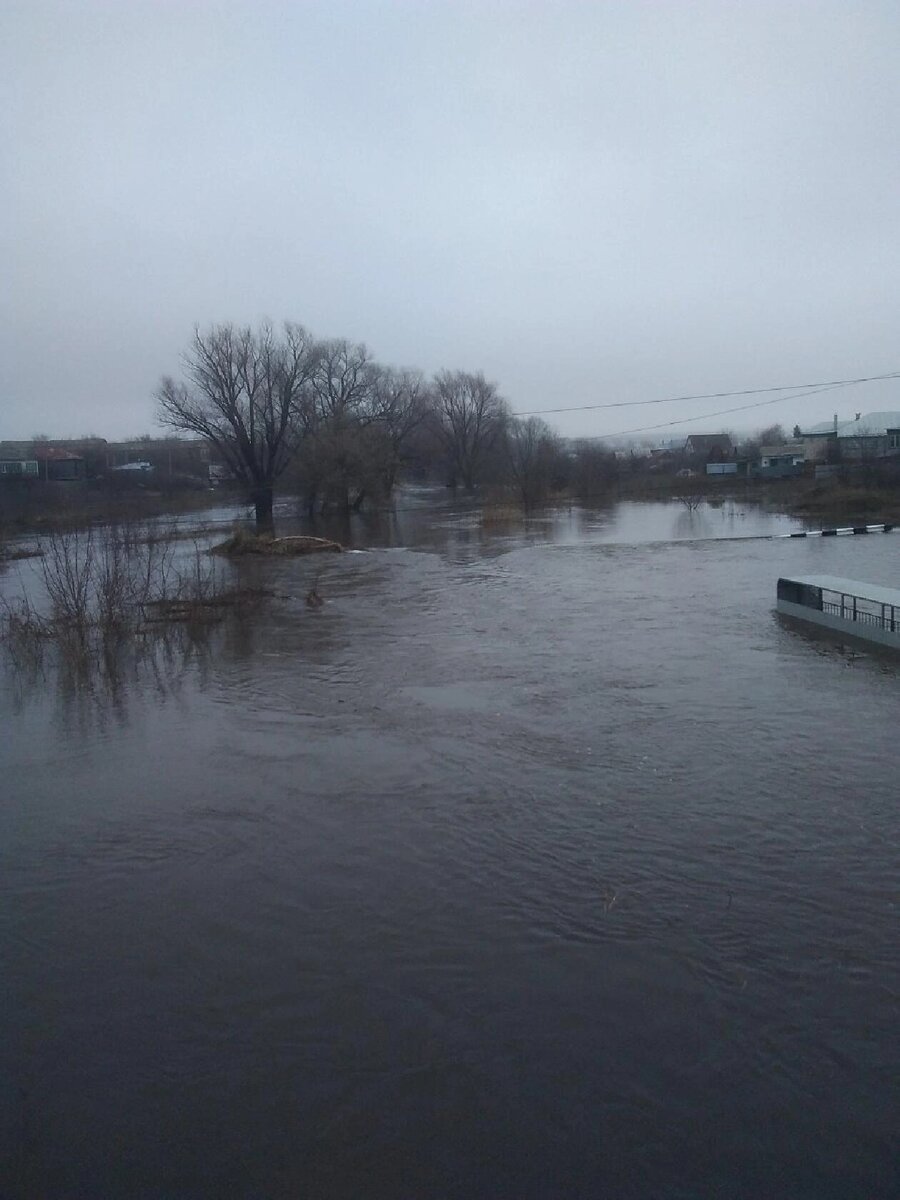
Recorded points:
(243,393)
(595,471)
(400,404)
(335,414)
(535,459)
(470,420)
(359,419)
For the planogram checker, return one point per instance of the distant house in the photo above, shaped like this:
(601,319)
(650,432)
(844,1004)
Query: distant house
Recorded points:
(709,447)
(59,466)
(867,436)
(874,435)
(781,461)
(665,449)
(17,461)
(18,468)
(788,455)
(41,460)
(819,443)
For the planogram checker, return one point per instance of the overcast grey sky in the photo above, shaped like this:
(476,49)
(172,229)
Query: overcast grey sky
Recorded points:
(588,202)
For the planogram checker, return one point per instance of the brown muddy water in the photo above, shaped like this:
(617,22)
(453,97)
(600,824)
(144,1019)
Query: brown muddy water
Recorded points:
(543,861)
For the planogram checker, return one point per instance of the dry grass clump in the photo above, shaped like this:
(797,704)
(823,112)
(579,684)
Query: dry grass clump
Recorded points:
(205,610)
(242,542)
(501,514)
(844,501)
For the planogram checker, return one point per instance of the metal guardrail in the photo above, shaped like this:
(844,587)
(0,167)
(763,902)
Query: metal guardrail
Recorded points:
(867,618)
(863,617)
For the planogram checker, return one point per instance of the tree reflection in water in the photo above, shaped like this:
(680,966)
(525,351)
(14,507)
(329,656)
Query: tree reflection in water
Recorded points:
(94,679)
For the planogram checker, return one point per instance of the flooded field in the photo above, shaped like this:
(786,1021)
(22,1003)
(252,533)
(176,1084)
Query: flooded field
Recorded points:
(543,860)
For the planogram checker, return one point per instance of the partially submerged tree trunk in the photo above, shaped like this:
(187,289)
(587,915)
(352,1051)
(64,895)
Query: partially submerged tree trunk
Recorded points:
(263,501)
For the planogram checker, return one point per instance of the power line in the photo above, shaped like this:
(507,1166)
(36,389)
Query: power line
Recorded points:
(786,387)
(829,387)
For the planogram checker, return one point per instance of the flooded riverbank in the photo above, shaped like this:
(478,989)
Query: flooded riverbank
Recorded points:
(543,860)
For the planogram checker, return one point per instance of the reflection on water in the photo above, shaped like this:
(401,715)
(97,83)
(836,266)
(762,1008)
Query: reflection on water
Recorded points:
(92,686)
(434,519)
(544,860)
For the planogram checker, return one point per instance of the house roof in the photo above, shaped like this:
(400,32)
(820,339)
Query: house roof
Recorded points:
(823,429)
(782,451)
(874,424)
(53,454)
(29,451)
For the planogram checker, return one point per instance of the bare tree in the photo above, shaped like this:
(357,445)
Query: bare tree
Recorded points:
(595,470)
(692,500)
(244,392)
(470,419)
(400,404)
(534,456)
(772,435)
(335,414)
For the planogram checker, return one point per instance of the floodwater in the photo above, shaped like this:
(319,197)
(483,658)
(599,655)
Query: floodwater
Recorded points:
(544,861)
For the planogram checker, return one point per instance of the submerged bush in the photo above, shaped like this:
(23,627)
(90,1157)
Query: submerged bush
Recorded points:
(104,578)
(101,585)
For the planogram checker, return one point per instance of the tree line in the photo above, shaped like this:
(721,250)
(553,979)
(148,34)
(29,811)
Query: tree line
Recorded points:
(341,427)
